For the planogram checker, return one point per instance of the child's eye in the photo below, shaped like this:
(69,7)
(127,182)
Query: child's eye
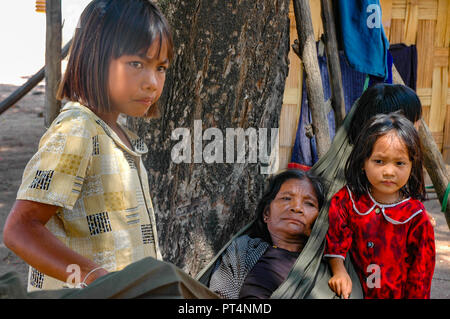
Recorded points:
(401,163)
(286,198)
(378,161)
(162,68)
(136,64)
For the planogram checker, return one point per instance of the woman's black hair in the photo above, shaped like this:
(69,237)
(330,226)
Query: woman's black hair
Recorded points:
(375,128)
(259,228)
(384,98)
(109,29)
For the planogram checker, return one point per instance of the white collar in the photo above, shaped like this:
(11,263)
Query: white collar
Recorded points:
(383,209)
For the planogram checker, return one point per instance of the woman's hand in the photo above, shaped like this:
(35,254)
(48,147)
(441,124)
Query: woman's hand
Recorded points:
(341,284)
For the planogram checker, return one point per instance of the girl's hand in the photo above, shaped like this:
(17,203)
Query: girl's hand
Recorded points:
(341,284)
(26,235)
(96,273)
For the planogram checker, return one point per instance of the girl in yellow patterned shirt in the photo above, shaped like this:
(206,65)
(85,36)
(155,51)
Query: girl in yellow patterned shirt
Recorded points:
(83,208)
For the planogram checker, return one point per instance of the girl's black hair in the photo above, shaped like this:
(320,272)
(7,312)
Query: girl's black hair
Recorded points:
(107,30)
(377,127)
(259,228)
(384,98)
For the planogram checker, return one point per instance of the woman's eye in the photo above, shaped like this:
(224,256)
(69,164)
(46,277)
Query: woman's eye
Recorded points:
(311,204)
(286,198)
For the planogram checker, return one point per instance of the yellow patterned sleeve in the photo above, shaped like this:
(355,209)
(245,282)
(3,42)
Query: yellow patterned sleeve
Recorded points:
(55,174)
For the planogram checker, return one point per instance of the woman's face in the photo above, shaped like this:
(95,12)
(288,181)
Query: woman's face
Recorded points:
(292,212)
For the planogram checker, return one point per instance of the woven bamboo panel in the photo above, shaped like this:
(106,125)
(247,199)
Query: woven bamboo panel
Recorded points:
(427,9)
(386,9)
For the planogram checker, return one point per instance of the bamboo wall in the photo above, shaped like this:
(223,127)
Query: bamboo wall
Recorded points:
(425,23)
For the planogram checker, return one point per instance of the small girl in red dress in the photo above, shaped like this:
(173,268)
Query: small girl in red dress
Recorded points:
(378,216)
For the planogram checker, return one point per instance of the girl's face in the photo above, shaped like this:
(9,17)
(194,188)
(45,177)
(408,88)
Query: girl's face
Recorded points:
(292,212)
(388,168)
(136,82)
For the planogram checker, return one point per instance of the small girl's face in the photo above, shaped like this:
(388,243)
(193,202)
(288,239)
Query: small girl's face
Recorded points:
(136,81)
(388,168)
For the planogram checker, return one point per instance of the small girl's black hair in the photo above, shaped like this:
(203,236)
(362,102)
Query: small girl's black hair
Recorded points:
(259,228)
(385,98)
(377,127)
(107,30)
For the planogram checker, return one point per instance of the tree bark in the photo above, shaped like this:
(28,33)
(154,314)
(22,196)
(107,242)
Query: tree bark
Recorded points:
(229,71)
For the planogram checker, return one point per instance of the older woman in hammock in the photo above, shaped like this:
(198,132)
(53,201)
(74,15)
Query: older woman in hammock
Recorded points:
(254,265)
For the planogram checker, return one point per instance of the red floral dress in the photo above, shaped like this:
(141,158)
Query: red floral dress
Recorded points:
(392,246)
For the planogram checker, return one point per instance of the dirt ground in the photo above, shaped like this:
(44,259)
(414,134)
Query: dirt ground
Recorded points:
(20,130)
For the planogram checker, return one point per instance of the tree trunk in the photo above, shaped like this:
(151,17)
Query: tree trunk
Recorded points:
(229,71)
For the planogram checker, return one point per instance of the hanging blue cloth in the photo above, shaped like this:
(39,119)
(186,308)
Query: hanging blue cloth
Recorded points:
(362,36)
(374,79)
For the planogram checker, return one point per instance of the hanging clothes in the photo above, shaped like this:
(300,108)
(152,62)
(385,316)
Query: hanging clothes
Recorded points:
(360,30)
(405,60)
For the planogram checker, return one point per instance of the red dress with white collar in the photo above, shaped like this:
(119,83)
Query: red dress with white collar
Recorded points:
(392,246)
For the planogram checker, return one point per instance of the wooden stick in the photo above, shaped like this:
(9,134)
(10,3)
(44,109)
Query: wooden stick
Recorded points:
(432,157)
(314,89)
(333,64)
(20,92)
(52,59)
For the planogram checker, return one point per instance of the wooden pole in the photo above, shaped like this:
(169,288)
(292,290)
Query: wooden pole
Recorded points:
(20,92)
(435,166)
(52,59)
(432,157)
(314,89)
(333,64)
